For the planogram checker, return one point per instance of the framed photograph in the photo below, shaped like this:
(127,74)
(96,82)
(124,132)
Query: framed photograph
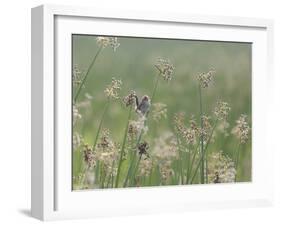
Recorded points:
(137,112)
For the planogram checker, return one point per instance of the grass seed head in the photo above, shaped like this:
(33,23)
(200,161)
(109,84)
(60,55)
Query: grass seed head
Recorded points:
(107,152)
(76,75)
(165,147)
(77,141)
(205,79)
(189,134)
(89,156)
(179,121)
(242,129)
(159,111)
(222,110)
(129,100)
(76,114)
(136,127)
(112,90)
(145,167)
(108,41)
(221,168)
(165,68)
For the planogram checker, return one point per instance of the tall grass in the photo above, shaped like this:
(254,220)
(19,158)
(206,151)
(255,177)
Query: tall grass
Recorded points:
(86,75)
(151,140)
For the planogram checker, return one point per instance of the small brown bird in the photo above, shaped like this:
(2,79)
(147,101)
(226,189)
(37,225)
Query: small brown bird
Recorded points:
(144,105)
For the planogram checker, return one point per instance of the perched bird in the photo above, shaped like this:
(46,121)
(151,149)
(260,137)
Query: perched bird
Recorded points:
(144,105)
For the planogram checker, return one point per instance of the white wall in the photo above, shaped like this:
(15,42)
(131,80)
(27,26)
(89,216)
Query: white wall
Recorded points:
(15,111)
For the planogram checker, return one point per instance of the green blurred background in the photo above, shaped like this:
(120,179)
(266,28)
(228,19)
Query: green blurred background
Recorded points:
(133,63)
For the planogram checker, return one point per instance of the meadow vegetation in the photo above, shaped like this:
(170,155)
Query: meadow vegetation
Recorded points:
(151,112)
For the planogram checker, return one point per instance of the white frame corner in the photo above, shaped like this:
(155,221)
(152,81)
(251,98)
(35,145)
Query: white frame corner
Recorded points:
(43,95)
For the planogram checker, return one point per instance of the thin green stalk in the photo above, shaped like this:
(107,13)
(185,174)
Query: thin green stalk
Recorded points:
(112,181)
(183,157)
(135,170)
(158,176)
(204,151)
(129,174)
(237,160)
(81,165)
(206,168)
(108,181)
(97,172)
(192,162)
(155,88)
(103,179)
(181,169)
(201,137)
(102,176)
(150,176)
(100,125)
(191,166)
(111,174)
(130,169)
(86,75)
(188,164)
(180,157)
(123,148)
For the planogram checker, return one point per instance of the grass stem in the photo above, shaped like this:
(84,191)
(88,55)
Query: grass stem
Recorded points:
(86,75)
(132,162)
(202,171)
(204,152)
(100,124)
(190,166)
(155,88)
(135,170)
(237,160)
(123,148)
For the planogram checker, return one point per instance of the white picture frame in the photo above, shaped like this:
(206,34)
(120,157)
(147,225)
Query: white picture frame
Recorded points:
(52,197)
